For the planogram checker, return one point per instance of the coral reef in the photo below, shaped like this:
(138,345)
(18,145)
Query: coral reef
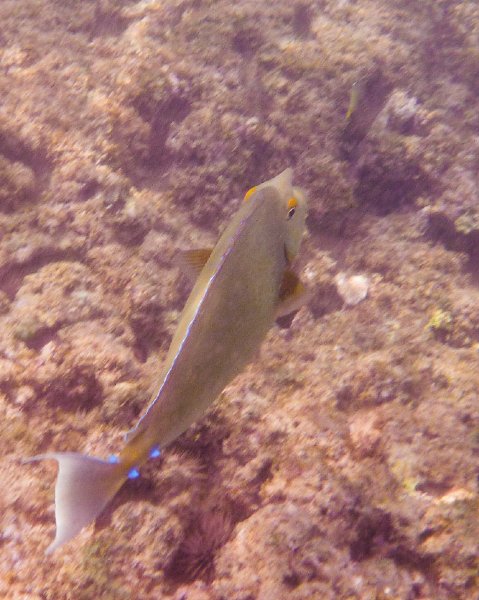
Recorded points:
(342,464)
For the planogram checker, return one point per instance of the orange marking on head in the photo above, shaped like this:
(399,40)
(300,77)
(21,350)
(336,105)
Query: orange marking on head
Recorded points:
(249,193)
(292,203)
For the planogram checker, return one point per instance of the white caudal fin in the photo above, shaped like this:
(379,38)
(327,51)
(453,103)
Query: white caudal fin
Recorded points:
(84,487)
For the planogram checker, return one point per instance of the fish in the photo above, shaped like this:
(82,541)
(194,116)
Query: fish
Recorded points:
(242,286)
(357,89)
(368,96)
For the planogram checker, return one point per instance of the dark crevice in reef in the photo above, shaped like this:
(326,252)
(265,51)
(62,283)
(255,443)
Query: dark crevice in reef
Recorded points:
(247,40)
(385,187)
(160,115)
(40,338)
(211,522)
(325,300)
(146,321)
(442,229)
(141,351)
(373,528)
(74,388)
(208,530)
(302,20)
(374,534)
(12,275)
(24,172)
(106,23)
(90,188)
(17,150)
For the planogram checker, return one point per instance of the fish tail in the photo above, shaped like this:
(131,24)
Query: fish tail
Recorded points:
(84,487)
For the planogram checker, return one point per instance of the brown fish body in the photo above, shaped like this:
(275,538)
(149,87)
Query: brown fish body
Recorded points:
(241,288)
(230,310)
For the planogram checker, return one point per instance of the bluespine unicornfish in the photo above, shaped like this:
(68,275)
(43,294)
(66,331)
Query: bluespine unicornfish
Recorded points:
(242,285)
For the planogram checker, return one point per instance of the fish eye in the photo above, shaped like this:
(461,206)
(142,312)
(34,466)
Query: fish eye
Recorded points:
(292,204)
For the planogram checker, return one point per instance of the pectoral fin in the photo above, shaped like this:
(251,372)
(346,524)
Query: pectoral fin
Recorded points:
(293,294)
(191,262)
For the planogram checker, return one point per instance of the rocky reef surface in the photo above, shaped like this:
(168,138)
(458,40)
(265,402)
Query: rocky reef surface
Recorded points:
(343,463)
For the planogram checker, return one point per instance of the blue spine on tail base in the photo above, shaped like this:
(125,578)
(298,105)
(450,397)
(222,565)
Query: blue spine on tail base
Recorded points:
(133,473)
(155,452)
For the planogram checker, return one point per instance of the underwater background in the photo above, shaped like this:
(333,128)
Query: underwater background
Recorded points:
(342,464)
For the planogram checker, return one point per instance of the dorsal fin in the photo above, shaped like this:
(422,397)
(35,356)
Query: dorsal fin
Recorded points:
(191,262)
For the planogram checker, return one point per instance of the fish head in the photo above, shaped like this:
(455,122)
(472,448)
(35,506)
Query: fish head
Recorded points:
(294,202)
(297,209)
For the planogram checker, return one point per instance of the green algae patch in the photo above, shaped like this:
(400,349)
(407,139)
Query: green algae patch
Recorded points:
(441,322)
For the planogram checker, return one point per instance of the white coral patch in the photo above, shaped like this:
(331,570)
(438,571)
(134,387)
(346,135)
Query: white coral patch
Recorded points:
(352,289)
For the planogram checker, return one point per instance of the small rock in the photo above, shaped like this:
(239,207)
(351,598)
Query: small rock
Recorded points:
(403,112)
(456,495)
(25,394)
(364,433)
(352,289)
